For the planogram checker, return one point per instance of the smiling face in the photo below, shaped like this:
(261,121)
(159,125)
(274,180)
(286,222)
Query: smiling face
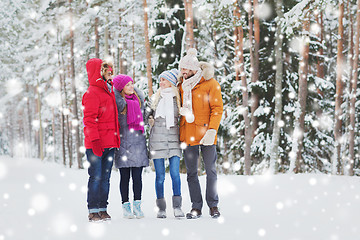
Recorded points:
(129,88)
(164,83)
(187,73)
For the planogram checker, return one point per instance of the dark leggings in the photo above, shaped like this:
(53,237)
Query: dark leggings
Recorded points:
(125,180)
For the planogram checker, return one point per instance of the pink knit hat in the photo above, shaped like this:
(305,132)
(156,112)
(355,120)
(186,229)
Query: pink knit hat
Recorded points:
(120,81)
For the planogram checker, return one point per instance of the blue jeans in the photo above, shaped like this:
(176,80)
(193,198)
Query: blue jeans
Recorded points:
(159,165)
(99,179)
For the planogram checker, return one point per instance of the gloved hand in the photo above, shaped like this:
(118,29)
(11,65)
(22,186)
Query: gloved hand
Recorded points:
(209,137)
(97,147)
(189,116)
(151,121)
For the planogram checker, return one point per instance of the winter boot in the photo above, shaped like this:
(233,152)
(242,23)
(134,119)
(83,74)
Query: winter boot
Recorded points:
(214,212)
(104,216)
(127,213)
(161,204)
(137,209)
(177,206)
(194,214)
(94,217)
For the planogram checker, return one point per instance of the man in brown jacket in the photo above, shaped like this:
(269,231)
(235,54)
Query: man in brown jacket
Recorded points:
(201,112)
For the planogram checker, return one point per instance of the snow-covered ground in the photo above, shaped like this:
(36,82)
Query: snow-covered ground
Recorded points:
(47,201)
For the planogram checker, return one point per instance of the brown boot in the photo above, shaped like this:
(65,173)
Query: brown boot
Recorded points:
(214,212)
(194,214)
(94,217)
(104,216)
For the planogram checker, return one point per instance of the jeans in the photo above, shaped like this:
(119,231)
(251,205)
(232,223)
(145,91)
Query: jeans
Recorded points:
(99,179)
(125,180)
(191,155)
(159,165)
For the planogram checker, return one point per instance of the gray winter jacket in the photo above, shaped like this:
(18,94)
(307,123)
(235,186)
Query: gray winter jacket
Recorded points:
(163,142)
(132,151)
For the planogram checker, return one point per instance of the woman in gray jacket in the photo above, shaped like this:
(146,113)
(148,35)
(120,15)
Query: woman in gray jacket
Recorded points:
(132,155)
(164,140)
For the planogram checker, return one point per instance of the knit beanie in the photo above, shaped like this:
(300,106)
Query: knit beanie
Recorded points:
(120,81)
(189,61)
(170,75)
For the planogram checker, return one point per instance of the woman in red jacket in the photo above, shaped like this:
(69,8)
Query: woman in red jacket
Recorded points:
(101,129)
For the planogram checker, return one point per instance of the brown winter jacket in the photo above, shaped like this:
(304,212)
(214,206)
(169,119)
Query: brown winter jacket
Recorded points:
(207,107)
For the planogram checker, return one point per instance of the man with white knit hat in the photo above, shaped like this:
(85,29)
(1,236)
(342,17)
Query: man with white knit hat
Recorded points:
(201,111)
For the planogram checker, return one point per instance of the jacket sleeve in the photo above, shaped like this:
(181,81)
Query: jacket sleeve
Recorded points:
(216,105)
(120,101)
(91,105)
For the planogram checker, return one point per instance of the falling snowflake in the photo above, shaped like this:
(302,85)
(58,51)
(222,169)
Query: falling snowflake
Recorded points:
(72,186)
(312,181)
(246,209)
(165,232)
(40,178)
(40,202)
(261,232)
(279,205)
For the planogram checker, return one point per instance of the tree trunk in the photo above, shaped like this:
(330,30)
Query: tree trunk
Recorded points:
(240,74)
(320,63)
(354,82)
(278,90)
(106,39)
(69,141)
(53,133)
(120,46)
(62,93)
(133,50)
(97,38)
(63,144)
(189,20)
(10,131)
(29,121)
(255,45)
(296,161)
(348,85)
(63,106)
(147,48)
(73,86)
(41,134)
(336,164)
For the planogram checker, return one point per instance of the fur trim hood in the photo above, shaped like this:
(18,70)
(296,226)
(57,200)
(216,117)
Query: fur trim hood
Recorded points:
(207,71)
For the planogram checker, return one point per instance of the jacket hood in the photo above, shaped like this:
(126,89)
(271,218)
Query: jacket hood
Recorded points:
(93,68)
(207,71)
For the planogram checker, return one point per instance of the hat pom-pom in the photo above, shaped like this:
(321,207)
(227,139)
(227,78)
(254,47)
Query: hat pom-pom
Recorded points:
(192,51)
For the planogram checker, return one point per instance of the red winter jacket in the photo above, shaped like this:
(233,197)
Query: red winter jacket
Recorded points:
(100,111)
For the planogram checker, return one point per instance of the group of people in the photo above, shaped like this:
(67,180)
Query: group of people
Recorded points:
(183,115)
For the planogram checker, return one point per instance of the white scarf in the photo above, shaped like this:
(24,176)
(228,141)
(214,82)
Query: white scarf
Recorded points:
(187,87)
(165,107)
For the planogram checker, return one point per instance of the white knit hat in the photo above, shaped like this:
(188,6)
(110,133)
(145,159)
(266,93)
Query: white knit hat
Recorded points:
(189,61)
(170,75)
